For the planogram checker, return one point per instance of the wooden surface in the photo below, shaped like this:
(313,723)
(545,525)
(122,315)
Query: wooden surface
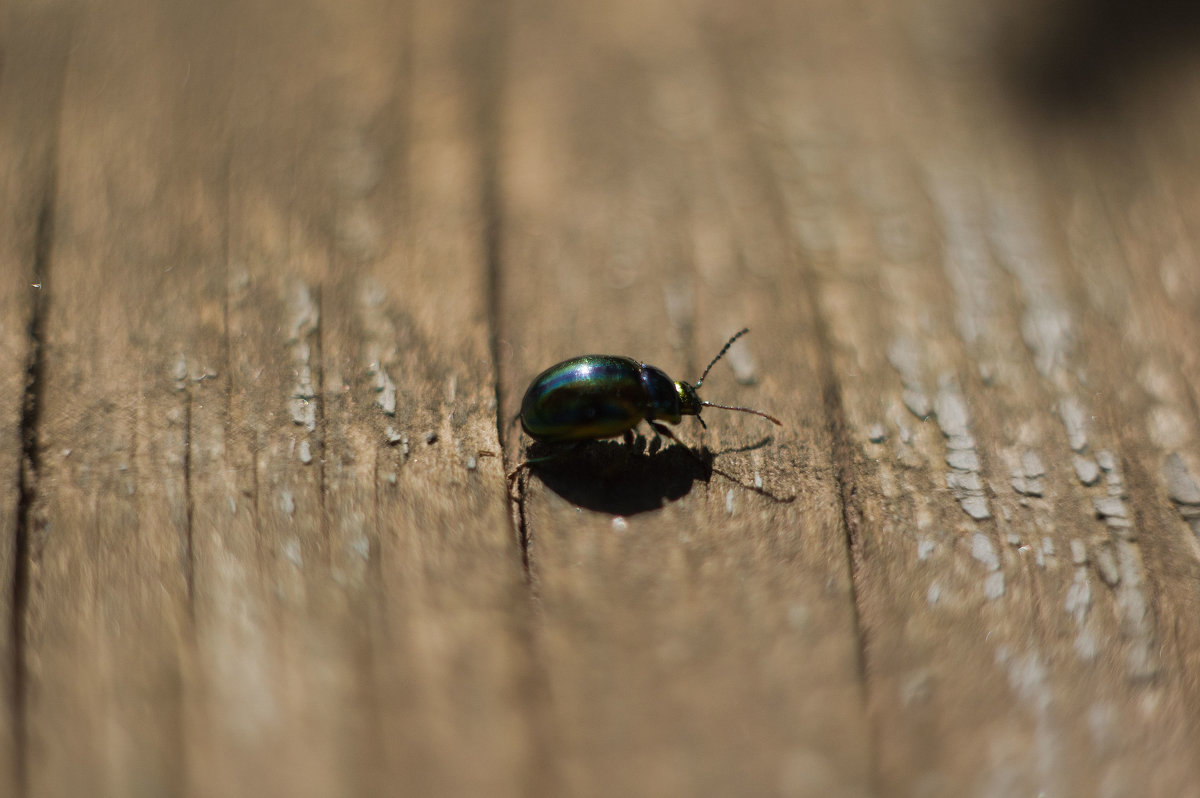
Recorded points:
(276,276)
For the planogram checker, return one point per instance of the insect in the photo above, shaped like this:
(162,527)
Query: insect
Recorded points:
(603,396)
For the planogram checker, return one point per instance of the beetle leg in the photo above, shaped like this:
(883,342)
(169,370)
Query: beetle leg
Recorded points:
(532,461)
(655,444)
(661,429)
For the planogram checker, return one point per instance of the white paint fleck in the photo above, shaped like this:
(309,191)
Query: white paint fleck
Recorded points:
(1079,554)
(1106,566)
(286,502)
(976,507)
(385,389)
(1079,596)
(993,585)
(925,548)
(1027,678)
(934,593)
(619,525)
(1074,419)
(964,481)
(951,409)
(291,550)
(303,323)
(963,459)
(1086,646)
(983,550)
(1181,484)
(1032,464)
(1087,470)
(1109,506)
(877,433)
(1167,427)
(743,365)
(905,357)
(305,452)
(917,403)
(729,501)
(1106,460)
(179,372)
(1028,486)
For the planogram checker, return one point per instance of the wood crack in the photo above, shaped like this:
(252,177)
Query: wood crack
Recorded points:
(842,454)
(31,408)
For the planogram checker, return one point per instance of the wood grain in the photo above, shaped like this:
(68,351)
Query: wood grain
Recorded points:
(276,278)
(698,637)
(35,43)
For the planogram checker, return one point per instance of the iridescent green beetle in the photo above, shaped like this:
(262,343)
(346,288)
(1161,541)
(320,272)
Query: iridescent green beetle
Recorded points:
(603,396)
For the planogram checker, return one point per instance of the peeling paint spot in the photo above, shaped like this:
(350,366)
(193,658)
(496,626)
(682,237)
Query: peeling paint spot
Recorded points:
(1109,507)
(1181,484)
(1167,427)
(1086,470)
(291,550)
(384,387)
(963,479)
(917,403)
(179,372)
(1079,554)
(1074,419)
(963,459)
(905,357)
(1079,596)
(1106,566)
(984,551)
(976,507)
(1086,646)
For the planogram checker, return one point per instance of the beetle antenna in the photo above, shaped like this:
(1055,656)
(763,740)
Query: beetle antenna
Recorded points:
(770,418)
(720,355)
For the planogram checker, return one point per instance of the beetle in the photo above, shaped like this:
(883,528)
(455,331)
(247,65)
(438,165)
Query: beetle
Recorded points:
(603,396)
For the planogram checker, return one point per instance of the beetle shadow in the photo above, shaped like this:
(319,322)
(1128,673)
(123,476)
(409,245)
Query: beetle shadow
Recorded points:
(618,478)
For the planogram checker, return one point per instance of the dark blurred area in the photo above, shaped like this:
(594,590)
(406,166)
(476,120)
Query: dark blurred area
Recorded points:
(1071,57)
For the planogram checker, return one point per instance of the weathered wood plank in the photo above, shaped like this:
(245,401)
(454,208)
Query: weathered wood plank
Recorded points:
(261,543)
(244,580)
(361,397)
(1008,569)
(705,646)
(107,617)
(34,41)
